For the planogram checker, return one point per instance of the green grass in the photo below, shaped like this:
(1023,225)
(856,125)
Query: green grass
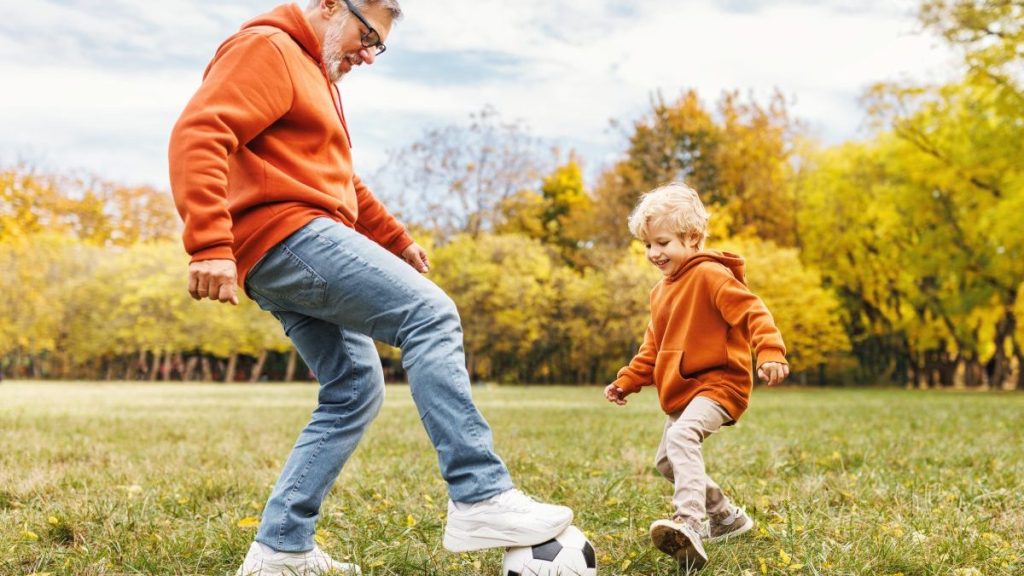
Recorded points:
(155,479)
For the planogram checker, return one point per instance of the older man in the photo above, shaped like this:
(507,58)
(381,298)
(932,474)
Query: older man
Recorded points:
(261,171)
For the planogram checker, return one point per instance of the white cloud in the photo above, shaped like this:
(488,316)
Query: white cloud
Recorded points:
(102,87)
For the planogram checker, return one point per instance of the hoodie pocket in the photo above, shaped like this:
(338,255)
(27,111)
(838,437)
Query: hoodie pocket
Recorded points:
(668,367)
(702,359)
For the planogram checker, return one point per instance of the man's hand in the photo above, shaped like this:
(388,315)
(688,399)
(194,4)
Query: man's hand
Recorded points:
(213,279)
(773,372)
(613,393)
(416,256)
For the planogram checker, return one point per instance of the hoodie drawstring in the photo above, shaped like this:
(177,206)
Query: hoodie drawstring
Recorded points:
(338,109)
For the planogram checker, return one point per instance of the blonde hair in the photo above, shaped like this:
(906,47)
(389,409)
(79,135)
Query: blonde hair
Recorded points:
(676,203)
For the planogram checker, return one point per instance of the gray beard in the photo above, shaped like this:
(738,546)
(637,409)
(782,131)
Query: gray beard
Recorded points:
(332,58)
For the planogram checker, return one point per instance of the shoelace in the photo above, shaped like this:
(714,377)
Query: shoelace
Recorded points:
(515,500)
(733,515)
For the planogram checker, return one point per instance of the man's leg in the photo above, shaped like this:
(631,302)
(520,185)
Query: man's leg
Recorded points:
(351,392)
(331,272)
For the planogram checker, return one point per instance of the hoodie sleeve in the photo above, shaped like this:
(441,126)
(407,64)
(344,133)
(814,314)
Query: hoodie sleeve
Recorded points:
(744,311)
(245,89)
(639,372)
(377,224)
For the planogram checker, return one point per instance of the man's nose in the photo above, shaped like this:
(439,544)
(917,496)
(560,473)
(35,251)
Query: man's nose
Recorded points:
(367,55)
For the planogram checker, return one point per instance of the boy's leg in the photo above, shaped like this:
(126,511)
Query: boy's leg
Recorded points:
(661,461)
(684,434)
(683,439)
(715,501)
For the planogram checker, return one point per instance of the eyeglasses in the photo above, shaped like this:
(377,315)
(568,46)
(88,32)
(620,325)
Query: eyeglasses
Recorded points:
(370,39)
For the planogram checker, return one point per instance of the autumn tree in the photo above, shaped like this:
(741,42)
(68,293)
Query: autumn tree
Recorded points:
(454,179)
(739,157)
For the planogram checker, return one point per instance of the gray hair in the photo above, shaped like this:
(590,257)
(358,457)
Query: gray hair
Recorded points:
(390,5)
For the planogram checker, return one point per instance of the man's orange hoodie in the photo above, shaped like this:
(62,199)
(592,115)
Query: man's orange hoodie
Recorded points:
(263,148)
(704,322)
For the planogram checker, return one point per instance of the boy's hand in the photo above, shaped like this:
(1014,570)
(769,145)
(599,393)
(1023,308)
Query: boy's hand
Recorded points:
(773,372)
(615,394)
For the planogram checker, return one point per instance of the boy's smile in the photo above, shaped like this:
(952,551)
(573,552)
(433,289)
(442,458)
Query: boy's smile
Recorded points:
(665,248)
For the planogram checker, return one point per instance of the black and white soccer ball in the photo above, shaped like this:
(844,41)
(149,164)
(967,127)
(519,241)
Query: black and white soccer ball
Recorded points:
(568,554)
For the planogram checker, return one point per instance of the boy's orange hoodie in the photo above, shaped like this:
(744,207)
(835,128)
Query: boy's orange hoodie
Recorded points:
(704,322)
(263,148)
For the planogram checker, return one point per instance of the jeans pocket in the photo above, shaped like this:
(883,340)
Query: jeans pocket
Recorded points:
(285,279)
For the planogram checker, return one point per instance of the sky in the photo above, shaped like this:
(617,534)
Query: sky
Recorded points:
(94,86)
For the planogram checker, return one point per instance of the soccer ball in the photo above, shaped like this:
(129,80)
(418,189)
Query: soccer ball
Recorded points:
(568,554)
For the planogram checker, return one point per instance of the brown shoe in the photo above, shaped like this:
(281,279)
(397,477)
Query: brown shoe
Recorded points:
(721,528)
(681,541)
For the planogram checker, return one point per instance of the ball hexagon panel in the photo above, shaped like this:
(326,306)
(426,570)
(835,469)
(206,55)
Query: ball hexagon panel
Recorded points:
(568,554)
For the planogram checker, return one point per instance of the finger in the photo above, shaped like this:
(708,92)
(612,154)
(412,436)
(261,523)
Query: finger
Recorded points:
(193,284)
(203,287)
(412,259)
(227,294)
(761,374)
(212,288)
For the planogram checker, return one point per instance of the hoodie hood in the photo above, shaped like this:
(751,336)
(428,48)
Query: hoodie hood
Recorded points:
(733,262)
(290,19)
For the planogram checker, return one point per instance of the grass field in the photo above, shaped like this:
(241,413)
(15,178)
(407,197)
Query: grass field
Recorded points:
(170,479)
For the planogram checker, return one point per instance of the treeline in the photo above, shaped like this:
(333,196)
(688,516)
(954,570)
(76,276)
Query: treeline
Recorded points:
(897,259)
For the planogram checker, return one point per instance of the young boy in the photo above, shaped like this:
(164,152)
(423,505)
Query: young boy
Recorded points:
(696,352)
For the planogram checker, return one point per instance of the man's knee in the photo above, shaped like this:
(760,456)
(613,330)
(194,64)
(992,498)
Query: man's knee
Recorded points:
(438,310)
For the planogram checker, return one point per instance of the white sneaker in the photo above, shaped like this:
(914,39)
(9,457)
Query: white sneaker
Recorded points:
(508,519)
(264,561)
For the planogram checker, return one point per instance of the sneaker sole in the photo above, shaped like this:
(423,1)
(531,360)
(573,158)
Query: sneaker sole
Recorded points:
(484,537)
(737,532)
(677,545)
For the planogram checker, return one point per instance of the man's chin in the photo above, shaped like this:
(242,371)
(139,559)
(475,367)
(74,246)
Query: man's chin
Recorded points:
(335,73)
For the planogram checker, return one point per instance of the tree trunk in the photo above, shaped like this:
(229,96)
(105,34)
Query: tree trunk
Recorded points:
(166,366)
(1018,354)
(998,368)
(289,371)
(190,368)
(154,368)
(109,368)
(229,372)
(257,370)
(207,370)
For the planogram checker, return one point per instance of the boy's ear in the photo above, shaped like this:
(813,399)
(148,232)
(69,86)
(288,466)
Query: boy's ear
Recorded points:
(693,239)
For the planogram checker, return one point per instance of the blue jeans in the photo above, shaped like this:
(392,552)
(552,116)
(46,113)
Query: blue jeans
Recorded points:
(335,291)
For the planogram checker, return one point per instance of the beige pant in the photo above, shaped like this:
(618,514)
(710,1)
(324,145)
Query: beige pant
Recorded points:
(680,460)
